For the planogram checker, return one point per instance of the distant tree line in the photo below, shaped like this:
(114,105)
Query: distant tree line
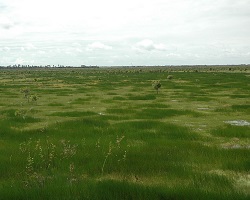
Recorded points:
(45,66)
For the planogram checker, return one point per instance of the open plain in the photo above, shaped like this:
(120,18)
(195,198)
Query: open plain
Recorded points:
(107,133)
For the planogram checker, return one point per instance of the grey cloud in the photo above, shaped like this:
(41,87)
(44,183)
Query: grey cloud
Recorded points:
(3,7)
(98,45)
(7,23)
(149,45)
(7,49)
(6,26)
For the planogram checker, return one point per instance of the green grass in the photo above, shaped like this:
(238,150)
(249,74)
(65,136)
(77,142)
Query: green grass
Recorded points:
(55,104)
(232,131)
(142,97)
(106,134)
(111,189)
(163,113)
(73,114)
(244,107)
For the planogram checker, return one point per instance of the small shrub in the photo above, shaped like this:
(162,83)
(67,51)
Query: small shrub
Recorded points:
(26,92)
(34,98)
(156,85)
(170,77)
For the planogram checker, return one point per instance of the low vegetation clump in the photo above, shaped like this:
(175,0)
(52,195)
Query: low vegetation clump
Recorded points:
(107,134)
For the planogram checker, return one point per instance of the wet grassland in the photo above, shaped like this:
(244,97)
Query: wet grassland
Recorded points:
(106,133)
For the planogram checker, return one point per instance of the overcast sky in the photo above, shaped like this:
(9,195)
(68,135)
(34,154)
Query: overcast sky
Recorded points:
(131,32)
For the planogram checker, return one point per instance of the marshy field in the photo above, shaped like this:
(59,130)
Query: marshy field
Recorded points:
(109,133)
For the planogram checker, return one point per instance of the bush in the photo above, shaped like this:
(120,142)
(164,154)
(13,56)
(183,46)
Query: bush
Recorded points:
(170,77)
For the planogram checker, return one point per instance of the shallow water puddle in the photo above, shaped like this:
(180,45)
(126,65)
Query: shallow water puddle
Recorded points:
(238,122)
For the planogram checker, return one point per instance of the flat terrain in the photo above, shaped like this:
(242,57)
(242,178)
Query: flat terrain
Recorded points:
(107,133)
